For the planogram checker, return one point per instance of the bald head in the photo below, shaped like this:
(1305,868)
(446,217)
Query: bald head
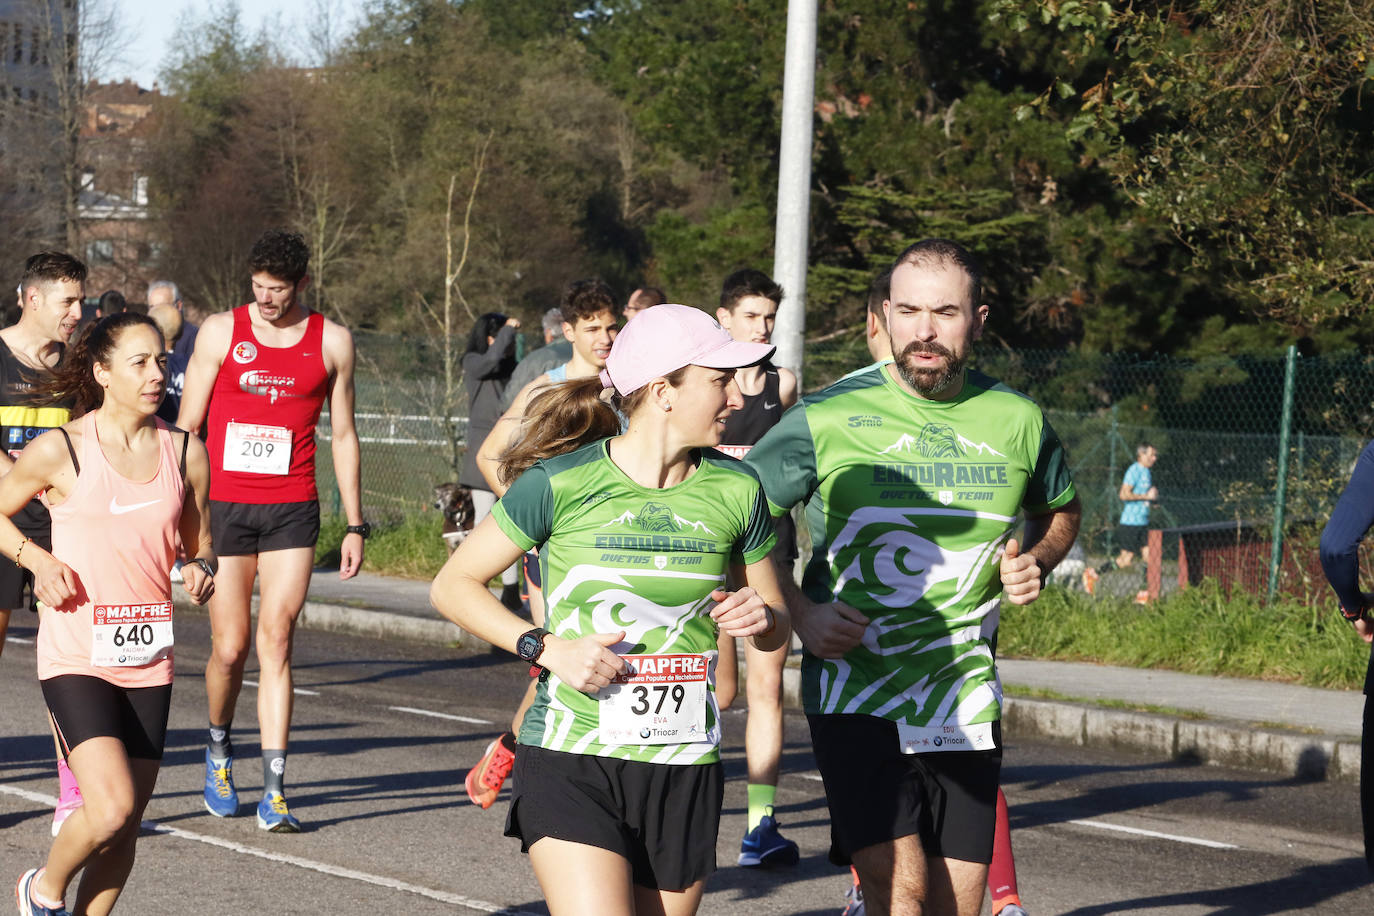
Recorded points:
(168,321)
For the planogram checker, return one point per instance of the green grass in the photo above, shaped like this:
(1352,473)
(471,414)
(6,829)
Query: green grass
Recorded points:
(1198,631)
(410,548)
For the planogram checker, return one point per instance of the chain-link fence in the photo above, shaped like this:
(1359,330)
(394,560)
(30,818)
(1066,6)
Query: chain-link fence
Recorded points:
(1227,430)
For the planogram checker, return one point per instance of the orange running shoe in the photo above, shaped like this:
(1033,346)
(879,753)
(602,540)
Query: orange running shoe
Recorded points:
(484,781)
(1090,577)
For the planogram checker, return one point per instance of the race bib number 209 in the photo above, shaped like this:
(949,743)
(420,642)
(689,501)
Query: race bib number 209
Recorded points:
(254,448)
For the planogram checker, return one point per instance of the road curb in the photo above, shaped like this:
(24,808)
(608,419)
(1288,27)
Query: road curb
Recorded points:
(1216,742)
(1210,741)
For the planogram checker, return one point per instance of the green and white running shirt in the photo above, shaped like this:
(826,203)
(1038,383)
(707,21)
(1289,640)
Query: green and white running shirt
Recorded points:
(911,502)
(617,556)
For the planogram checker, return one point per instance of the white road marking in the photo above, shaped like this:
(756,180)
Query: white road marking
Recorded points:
(301,690)
(323,868)
(20,640)
(1210,844)
(440,715)
(814,777)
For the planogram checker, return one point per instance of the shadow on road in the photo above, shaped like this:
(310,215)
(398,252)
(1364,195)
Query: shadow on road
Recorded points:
(1300,890)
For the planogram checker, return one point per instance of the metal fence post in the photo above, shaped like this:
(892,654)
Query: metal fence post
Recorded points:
(1281,488)
(1113,484)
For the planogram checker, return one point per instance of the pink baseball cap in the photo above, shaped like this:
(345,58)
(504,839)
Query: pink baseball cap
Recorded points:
(665,338)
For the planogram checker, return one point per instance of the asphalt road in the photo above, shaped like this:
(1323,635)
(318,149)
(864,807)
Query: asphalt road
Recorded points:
(385,731)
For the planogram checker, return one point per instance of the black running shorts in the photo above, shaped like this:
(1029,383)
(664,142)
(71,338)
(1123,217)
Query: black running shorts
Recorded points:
(662,818)
(248,529)
(1131,537)
(878,794)
(86,707)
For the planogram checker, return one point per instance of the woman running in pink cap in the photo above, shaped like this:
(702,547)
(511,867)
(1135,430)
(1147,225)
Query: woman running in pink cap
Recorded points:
(618,782)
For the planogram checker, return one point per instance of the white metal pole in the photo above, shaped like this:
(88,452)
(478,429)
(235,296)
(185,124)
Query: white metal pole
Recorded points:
(794,182)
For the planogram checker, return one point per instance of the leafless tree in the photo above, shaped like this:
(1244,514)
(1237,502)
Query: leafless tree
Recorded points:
(65,47)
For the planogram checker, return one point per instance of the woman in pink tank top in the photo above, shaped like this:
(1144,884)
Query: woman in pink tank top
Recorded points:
(123,487)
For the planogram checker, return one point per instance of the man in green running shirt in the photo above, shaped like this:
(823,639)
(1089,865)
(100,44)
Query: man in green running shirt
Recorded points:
(917,475)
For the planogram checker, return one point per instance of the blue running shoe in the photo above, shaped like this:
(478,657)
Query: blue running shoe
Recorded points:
(273,816)
(26,905)
(765,846)
(221,799)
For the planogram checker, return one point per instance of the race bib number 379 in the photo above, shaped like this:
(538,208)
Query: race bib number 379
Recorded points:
(662,701)
(131,635)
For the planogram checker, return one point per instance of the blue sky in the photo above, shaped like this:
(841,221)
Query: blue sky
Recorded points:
(152,25)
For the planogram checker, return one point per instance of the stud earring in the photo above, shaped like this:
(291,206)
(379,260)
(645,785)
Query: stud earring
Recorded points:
(667,407)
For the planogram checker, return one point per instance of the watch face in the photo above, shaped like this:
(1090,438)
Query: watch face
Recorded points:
(528,646)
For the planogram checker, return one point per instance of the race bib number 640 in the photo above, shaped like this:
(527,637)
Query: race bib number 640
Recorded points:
(131,635)
(662,701)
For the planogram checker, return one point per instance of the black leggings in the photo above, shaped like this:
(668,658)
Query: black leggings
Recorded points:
(85,707)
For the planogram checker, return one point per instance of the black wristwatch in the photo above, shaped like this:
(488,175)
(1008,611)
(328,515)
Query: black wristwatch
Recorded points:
(365,530)
(1355,616)
(530,645)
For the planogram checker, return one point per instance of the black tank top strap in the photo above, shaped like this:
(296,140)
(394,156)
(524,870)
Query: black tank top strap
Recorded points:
(70,451)
(758,415)
(185,441)
(772,384)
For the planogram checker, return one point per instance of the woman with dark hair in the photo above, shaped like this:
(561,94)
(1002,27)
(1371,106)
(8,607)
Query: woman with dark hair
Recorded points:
(487,366)
(122,486)
(618,781)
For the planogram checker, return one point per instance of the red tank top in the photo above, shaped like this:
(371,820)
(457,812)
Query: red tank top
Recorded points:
(263,410)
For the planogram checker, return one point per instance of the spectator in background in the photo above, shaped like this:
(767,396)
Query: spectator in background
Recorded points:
(164,295)
(111,302)
(556,351)
(643,298)
(487,367)
(165,292)
(168,321)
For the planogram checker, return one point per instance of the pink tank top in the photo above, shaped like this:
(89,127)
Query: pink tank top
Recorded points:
(120,538)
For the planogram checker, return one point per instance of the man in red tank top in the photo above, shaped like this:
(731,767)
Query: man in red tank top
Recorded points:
(263,371)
